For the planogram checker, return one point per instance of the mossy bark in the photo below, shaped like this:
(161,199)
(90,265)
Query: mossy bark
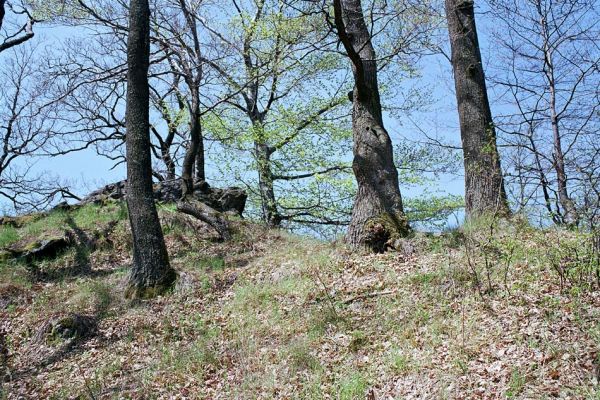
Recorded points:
(383,230)
(378,197)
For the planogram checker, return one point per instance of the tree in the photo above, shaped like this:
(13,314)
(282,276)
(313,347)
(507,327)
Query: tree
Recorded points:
(23,30)
(549,77)
(26,124)
(377,213)
(484,183)
(187,61)
(151,273)
(283,111)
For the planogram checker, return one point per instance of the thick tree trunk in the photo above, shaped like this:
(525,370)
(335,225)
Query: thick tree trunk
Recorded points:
(377,215)
(151,273)
(262,156)
(484,184)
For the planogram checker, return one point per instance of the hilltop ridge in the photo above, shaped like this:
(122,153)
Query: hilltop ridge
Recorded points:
(494,310)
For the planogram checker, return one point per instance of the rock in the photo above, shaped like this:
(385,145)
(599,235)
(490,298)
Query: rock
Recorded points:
(404,246)
(18,222)
(167,191)
(71,326)
(114,191)
(63,205)
(231,199)
(40,248)
(9,294)
(224,200)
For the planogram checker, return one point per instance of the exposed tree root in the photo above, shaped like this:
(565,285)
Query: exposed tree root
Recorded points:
(205,214)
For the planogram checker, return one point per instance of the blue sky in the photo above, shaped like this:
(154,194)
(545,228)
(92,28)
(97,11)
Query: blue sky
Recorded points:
(86,171)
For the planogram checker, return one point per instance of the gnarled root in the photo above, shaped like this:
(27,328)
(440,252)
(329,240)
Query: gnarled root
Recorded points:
(205,214)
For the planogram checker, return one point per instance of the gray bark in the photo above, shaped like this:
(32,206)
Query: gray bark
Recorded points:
(193,76)
(200,170)
(571,217)
(262,154)
(377,215)
(205,214)
(484,184)
(151,273)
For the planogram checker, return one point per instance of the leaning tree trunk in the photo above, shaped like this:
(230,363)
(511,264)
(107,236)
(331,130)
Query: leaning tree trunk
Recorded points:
(377,215)
(151,273)
(484,184)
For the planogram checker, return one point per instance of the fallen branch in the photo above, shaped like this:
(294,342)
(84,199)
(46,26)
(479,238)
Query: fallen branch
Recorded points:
(368,296)
(205,214)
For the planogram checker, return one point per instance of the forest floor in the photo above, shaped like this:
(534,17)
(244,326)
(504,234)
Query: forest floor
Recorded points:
(485,312)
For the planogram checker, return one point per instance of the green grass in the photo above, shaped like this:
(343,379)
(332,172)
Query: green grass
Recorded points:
(352,387)
(94,295)
(8,235)
(399,362)
(216,263)
(93,216)
(298,352)
(516,383)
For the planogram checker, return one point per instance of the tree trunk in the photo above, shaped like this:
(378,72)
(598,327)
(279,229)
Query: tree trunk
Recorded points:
(200,171)
(2,12)
(484,184)
(377,215)
(168,161)
(187,169)
(205,214)
(151,273)
(265,183)
(570,217)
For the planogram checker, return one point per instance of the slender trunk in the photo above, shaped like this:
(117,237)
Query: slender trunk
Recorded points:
(543,179)
(2,12)
(377,215)
(168,161)
(484,184)
(193,77)
(200,172)
(571,217)
(187,169)
(262,155)
(151,273)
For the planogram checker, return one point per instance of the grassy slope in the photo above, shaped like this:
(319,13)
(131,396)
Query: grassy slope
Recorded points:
(271,315)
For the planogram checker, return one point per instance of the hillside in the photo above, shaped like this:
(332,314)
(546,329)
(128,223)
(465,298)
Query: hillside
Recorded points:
(488,311)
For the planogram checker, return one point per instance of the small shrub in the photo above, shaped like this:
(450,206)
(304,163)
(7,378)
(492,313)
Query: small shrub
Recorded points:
(359,340)
(301,358)
(400,363)
(516,383)
(352,387)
